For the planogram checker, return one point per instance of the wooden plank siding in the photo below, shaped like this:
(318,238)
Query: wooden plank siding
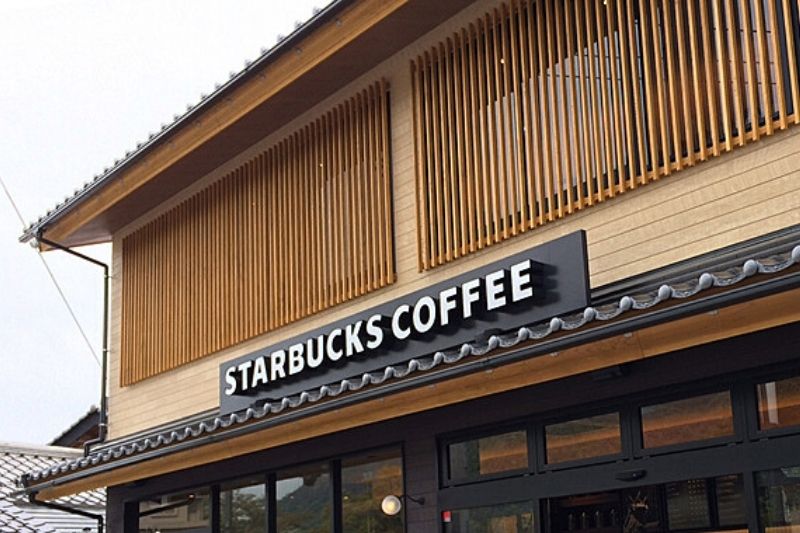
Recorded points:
(294,230)
(541,108)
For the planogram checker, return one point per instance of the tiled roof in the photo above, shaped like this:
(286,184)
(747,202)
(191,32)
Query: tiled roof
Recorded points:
(178,120)
(19,515)
(687,288)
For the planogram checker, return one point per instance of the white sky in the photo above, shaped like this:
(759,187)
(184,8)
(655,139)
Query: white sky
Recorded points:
(81,82)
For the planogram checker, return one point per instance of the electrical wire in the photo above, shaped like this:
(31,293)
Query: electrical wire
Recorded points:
(53,278)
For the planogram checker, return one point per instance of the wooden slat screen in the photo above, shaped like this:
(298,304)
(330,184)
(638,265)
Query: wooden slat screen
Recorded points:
(542,108)
(299,228)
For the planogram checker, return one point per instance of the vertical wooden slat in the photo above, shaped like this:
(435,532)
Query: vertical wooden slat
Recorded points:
(750,60)
(423,222)
(672,82)
(663,140)
(775,36)
(520,213)
(629,109)
(616,106)
(791,54)
(565,199)
(589,162)
(722,67)
(764,70)
(545,53)
(468,103)
(735,58)
(448,158)
(530,168)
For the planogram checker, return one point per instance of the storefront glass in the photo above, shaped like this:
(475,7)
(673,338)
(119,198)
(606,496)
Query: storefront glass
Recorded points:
(779,404)
(488,455)
(366,480)
(779,500)
(243,506)
(683,421)
(305,499)
(507,518)
(183,512)
(690,505)
(594,436)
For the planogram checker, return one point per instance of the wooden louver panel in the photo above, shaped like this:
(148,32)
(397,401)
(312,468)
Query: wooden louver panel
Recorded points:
(299,228)
(541,108)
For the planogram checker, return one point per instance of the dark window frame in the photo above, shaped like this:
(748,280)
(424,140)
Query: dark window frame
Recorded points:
(270,478)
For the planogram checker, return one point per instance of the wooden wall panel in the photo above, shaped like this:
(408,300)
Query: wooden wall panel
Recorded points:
(541,108)
(294,230)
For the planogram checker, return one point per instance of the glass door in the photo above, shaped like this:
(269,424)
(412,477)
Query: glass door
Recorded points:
(701,505)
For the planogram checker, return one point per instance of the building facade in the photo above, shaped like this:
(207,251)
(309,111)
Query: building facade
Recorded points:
(523,265)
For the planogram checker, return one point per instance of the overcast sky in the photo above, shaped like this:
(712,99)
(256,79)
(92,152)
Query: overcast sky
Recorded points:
(81,82)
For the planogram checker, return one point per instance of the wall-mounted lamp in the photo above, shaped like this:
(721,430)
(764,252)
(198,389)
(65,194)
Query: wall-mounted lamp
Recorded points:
(391,504)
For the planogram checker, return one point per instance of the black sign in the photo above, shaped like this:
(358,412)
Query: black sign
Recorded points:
(542,282)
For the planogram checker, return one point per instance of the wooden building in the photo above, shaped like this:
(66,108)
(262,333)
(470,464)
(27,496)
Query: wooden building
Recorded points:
(525,265)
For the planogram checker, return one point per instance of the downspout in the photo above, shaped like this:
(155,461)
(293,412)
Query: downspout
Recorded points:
(102,425)
(58,507)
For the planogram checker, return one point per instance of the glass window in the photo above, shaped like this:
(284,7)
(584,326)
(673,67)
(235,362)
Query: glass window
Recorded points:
(243,506)
(730,501)
(687,504)
(584,438)
(305,499)
(779,403)
(779,500)
(366,480)
(187,511)
(489,455)
(506,518)
(693,419)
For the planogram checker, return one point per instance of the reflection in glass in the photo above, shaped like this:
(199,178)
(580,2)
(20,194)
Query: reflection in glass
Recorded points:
(699,418)
(594,436)
(704,505)
(242,506)
(507,518)
(779,403)
(687,504)
(366,479)
(730,501)
(304,499)
(489,455)
(779,500)
(187,511)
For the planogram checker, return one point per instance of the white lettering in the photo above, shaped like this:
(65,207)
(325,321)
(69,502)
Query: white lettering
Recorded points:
(243,368)
(374,331)
(333,355)
(314,356)
(494,290)
(520,281)
(296,362)
(230,379)
(352,342)
(260,372)
(469,295)
(276,370)
(447,302)
(399,332)
(426,302)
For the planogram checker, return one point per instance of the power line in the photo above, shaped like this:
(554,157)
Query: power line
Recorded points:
(53,277)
